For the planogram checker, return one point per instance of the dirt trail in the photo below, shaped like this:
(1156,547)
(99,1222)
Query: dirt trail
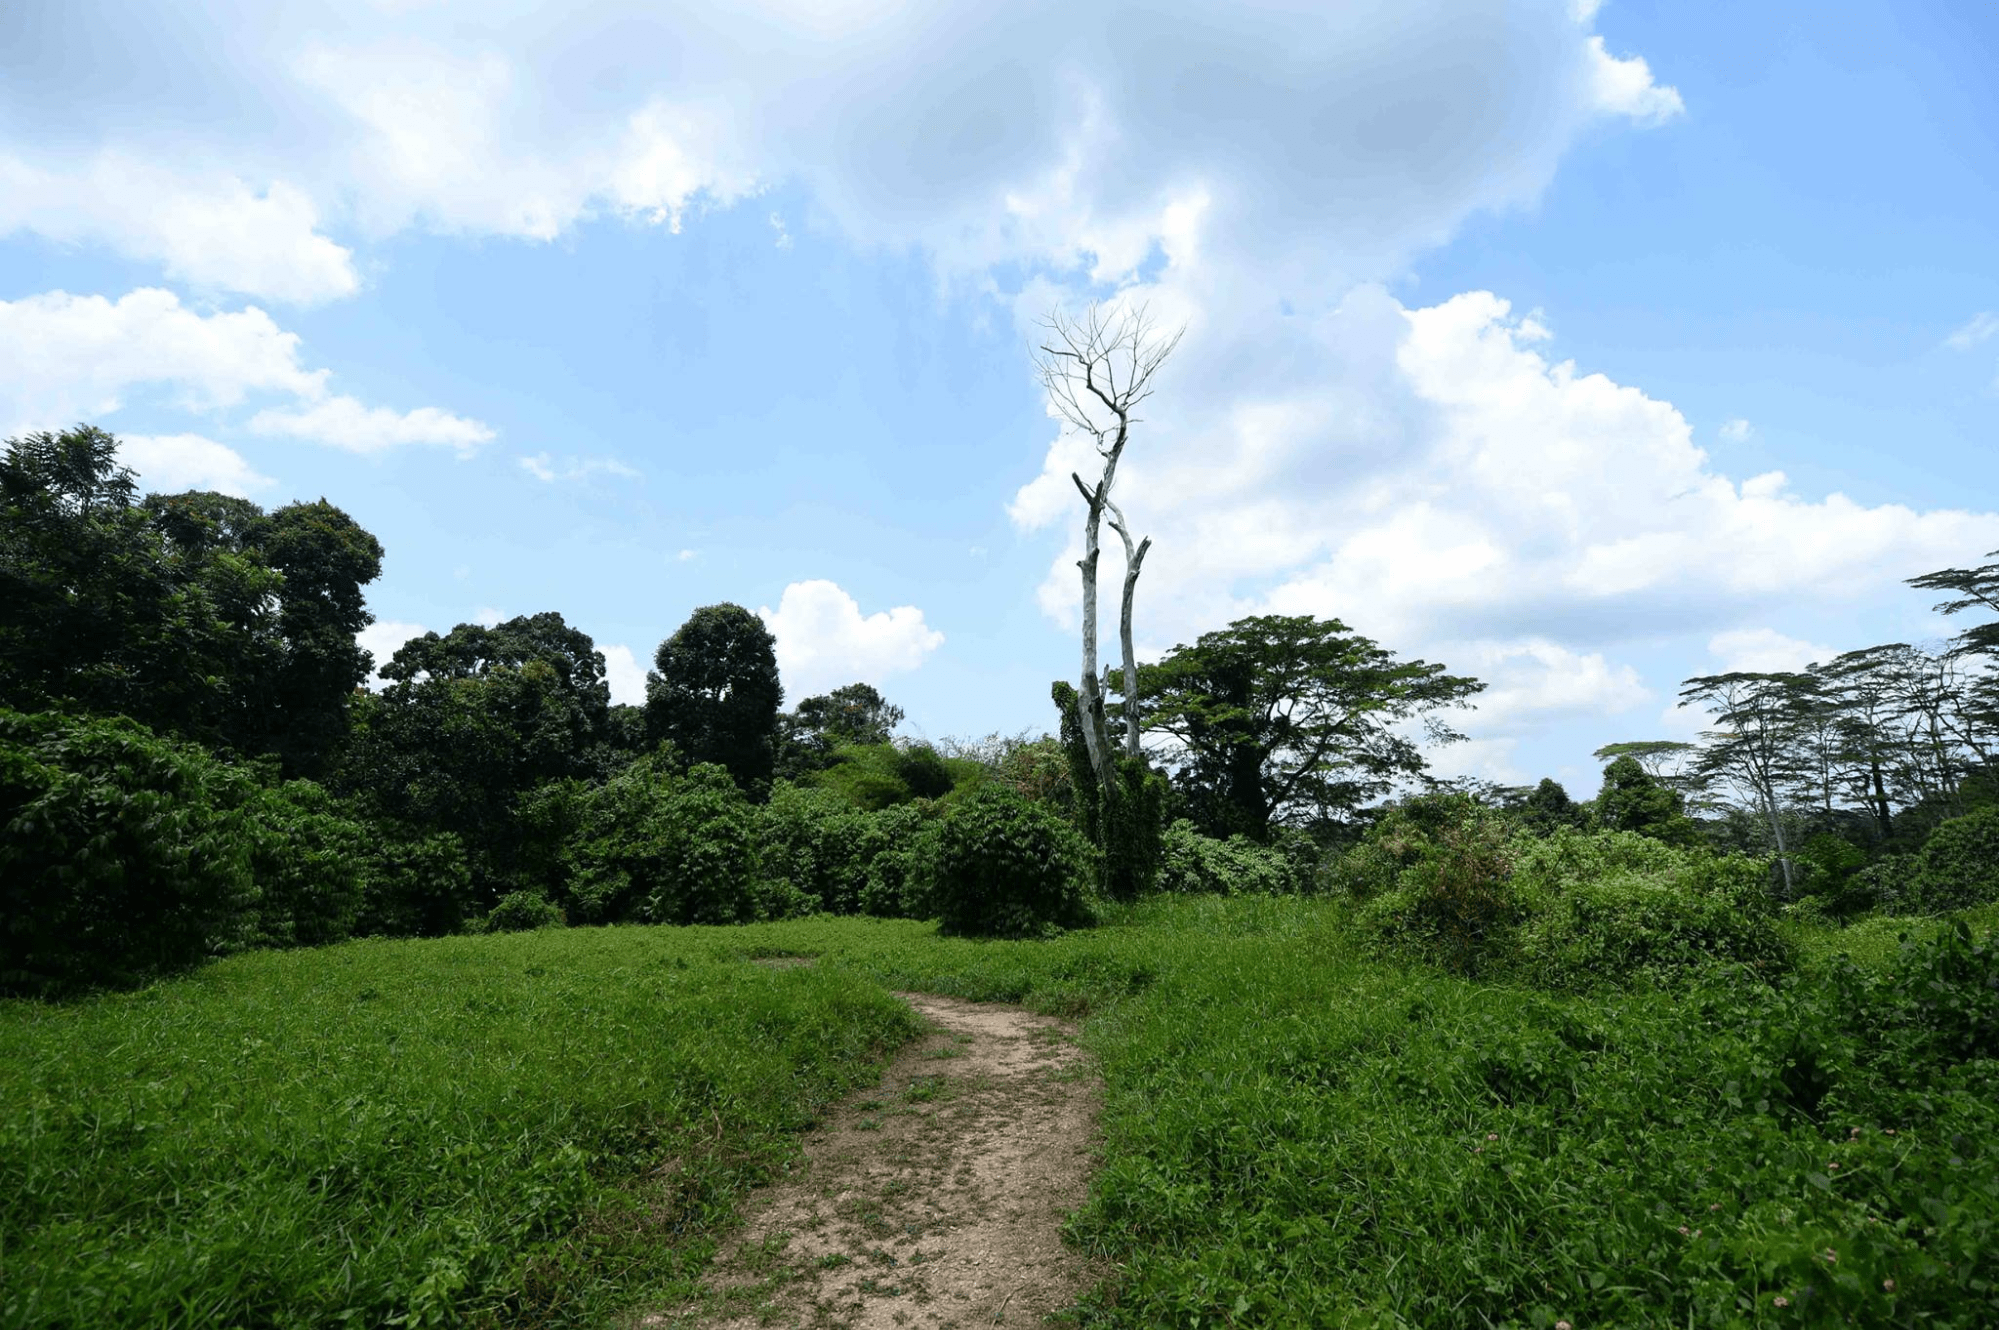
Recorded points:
(933,1199)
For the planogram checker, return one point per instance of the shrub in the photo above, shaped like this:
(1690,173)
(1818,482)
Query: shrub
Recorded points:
(867,776)
(1627,925)
(123,855)
(652,844)
(901,866)
(1007,868)
(1453,905)
(924,772)
(1193,862)
(414,884)
(308,862)
(818,843)
(523,910)
(1959,865)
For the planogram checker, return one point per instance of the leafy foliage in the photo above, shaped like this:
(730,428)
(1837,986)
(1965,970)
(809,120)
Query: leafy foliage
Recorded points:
(1291,718)
(523,910)
(713,693)
(1959,865)
(1195,862)
(123,855)
(659,845)
(1006,868)
(1632,800)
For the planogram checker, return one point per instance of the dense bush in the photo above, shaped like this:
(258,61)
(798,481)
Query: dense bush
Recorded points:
(818,843)
(1192,862)
(1006,867)
(1454,904)
(122,854)
(902,862)
(1959,865)
(414,884)
(1626,925)
(521,911)
(309,862)
(656,845)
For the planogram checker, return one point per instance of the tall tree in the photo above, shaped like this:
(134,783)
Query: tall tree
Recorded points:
(1974,587)
(1754,743)
(850,714)
(714,692)
(1291,718)
(1097,372)
(1633,800)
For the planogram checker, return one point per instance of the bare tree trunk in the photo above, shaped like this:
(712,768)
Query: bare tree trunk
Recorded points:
(1090,697)
(1134,557)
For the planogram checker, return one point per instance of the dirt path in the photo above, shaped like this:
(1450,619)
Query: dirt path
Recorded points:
(934,1199)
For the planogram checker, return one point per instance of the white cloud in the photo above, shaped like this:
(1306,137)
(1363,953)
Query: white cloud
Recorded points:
(544,468)
(65,358)
(210,230)
(624,674)
(345,422)
(1981,326)
(383,637)
(1737,431)
(1535,680)
(686,556)
(1764,650)
(823,640)
(487,616)
(783,240)
(1625,87)
(170,463)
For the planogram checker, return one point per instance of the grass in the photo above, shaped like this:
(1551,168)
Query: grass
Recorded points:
(552,1127)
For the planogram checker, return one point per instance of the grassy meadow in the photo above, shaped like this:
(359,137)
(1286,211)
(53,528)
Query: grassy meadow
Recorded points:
(554,1127)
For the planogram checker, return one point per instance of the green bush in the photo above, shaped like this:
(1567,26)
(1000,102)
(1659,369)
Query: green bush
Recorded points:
(523,910)
(1454,905)
(1959,865)
(1007,868)
(1626,925)
(307,859)
(902,863)
(924,772)
(414,884)
(1192,862)
(669,848)
(818,843)
(123,855)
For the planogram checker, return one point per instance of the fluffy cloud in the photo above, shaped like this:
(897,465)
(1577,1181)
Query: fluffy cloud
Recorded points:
(823,640)
(345,422)
(65,358)
(206,230)
(168,463)
(624,674)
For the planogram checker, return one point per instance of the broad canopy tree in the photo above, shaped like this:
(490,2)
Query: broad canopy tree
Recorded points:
(1293,719)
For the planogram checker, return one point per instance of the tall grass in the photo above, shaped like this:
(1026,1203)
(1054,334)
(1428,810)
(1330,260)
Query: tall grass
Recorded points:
(519,1129)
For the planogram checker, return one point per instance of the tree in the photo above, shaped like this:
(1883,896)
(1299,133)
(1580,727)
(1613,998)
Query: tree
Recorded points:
(714,693)
(850,714)
(1548,807)
(1754,744)
(1291,718)
(1660,758)
(1096,374)
(1632,800)
(1974,587)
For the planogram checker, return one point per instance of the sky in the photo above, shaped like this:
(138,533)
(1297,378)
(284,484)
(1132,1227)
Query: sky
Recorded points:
(1580,347)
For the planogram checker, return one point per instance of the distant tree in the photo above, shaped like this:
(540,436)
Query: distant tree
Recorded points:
(1754,744)
(850,714)
(714,693)
(1548,807)
(1660,758)
(1632,800)
(1291,718)
(196,613)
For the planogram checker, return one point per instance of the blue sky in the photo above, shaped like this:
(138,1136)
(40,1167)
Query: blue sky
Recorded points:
(1503,320)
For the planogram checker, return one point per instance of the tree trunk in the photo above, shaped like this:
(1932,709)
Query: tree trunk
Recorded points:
(1096,735)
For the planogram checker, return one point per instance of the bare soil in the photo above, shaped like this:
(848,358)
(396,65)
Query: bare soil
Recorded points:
(934,1199)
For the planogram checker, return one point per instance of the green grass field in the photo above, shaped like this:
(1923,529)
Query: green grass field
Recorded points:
(554,1127)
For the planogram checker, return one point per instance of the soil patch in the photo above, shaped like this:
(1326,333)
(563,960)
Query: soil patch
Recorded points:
(934,1199)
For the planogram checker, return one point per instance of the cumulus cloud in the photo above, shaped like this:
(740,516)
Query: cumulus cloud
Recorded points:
(823,640)
(65,358)
(1535,680)
(383,637)
(544,468)
(167,463)
(624,674)
(210,230)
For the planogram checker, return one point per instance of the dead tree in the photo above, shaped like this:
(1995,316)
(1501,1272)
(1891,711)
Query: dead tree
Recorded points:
(1096,372)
